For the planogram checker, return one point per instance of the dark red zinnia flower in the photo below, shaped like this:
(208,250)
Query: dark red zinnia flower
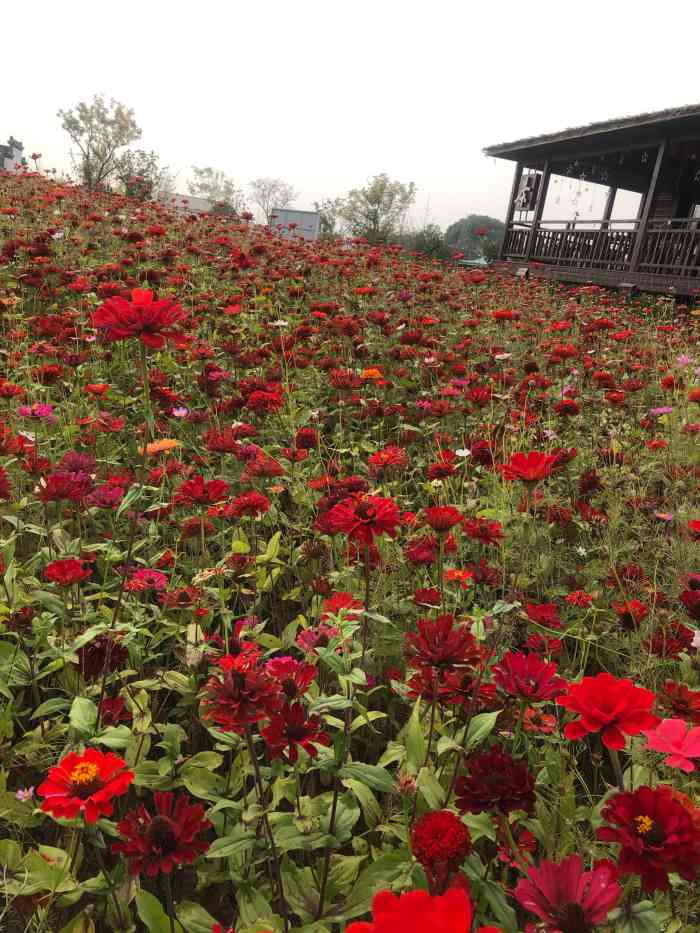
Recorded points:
(613,707)
(681,701)
(441,643)
(102,653)
(173,836)
(495,781)
(150,321)
(291,728)
(198,491)
(440,842)
(658,831)
(294,677)
(528,677)
(244,694)
(567,898)
(442,517)
(85,784)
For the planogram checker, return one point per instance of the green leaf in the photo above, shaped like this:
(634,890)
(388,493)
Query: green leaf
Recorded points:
(480,728)
(226,846)
(114,737)
(152,915)
(50,706)
(416,744)
(202,783)
(379,874)
(83,923)
(479,824)
(83,715)
(640,918)
(371,809)
(194,918)
(430,788)
(372,775)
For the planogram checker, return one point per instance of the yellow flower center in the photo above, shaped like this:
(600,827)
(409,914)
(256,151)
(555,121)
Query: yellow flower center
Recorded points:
(84,773)
(644,824)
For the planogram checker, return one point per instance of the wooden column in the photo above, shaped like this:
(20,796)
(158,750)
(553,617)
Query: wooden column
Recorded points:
(539,207)
(609,204)
(646,210)
(511,205)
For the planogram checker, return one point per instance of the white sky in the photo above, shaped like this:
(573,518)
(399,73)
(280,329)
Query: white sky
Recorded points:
(326,94)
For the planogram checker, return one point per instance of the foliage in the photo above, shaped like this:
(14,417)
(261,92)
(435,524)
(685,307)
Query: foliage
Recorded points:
(329,211)
(143,176)
(378,210)
(330,570)
(271,193)
(429,240)
(214,185)
(99,130)
(477,236)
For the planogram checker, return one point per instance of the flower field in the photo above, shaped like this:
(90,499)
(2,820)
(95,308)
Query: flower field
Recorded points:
(340,589)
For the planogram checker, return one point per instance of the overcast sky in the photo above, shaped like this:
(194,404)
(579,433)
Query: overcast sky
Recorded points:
(326,94)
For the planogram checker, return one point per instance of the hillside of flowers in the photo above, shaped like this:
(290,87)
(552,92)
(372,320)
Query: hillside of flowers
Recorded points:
(340,589)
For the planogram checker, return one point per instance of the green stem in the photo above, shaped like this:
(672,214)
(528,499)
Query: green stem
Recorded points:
(617,768)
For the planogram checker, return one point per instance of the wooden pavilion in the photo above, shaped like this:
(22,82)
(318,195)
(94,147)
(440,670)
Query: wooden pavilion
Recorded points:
(654,154)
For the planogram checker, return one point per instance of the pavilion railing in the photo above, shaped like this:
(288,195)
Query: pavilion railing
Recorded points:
(669,247)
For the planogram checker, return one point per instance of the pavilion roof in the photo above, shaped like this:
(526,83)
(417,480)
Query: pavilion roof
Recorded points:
(622,130)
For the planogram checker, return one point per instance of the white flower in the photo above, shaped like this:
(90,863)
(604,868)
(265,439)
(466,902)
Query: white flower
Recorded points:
(463,452)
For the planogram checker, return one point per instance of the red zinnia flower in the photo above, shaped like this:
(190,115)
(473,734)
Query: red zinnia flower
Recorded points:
(85,784)
(440,842)
(251,503)
(690,597)
(613,707)
(290,727)
(418,912)
(528,677)
(495,781)
(362,518)
(197,491)
(442,517)
(66,572)
(682,701)
(160,842)
(441,643)
(631,613)
(294,677)
(567,898)
(658,831)
(5,488)
(246,693)
(151,321)
(530,468)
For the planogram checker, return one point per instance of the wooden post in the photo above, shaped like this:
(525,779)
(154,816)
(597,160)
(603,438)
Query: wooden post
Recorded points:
(539,207)
(609,204)
(511,206)
(648,201)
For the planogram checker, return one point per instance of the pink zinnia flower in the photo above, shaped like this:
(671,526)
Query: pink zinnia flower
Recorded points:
(568,898)
(679,743)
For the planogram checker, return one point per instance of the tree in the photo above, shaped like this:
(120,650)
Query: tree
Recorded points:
(429,240)
(477,236)
(269,193)
(329,213)
(98,130)
(378,210)
(214,185)
(142,175)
